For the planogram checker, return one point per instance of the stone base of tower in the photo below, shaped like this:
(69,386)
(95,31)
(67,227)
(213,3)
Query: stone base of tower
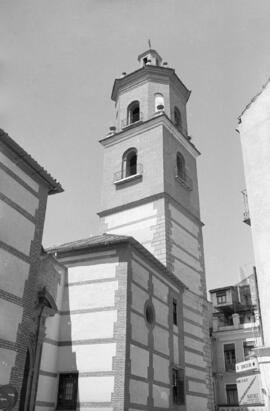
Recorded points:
(144,220)
(175,238)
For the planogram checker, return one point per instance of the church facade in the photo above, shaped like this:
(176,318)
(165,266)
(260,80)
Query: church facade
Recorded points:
(132,327)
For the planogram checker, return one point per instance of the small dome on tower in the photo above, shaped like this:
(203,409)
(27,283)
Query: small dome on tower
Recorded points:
(150,57)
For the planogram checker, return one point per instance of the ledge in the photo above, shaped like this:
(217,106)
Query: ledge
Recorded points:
(127,179)
(186,183)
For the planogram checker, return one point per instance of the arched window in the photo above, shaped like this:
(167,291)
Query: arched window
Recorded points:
(159,102)
(133,112)
(129,164)
(177,118)
(180,165)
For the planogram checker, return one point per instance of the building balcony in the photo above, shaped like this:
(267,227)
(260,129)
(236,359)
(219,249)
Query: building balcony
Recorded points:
(127,123)
(184,179)
(246,216)
(135,174)
(219,325)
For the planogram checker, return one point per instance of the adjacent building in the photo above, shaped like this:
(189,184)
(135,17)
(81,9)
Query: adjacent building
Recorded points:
(236,333)
(254,129)
(26,296)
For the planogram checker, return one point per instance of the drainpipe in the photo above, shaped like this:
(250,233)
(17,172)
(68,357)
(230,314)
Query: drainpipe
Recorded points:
(37,353)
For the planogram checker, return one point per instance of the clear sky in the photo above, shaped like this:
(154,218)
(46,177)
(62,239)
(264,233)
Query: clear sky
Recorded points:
(57,66)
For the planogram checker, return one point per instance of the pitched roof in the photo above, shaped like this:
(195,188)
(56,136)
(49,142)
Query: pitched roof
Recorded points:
(228,287)
(54,186)
(98,240)
(254,99)
(110,240)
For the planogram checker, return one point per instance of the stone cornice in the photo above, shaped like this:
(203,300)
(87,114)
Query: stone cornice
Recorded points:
(149,73)
(141,127)
(148,199)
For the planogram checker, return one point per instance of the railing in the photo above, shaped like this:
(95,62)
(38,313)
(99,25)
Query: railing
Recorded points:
(184,179)
(128,123)
(120,175)
(246,216)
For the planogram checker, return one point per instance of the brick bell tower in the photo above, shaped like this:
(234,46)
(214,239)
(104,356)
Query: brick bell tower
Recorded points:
(150,191)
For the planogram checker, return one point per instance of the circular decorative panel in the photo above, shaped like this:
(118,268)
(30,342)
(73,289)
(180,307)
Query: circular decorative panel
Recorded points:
(149,313)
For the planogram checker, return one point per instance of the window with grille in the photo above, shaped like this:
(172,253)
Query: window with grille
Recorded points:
(232,396)
(180,166)
(178,386)
(133,112)
(67,391)
(175,319)
(177,119)
(129,163)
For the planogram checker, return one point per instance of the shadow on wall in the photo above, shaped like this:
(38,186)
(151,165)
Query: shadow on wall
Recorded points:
(67,395)
(41,334)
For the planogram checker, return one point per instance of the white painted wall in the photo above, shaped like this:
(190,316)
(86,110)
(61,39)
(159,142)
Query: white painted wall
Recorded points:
(13,273)
(128,222)
(13,222)
(17,193)
(139,392)
(161,369)
(96,389)
(87,318)
(161,396)
(93,295)
(139,331)
(10,318)
(139,361)
(86,358)
(18,171)
(86,326)
(7,362)
(92,271)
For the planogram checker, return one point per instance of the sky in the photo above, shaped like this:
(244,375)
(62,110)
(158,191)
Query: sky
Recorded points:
(58,61)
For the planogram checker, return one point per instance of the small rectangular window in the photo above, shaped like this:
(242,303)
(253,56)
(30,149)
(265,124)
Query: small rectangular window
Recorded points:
(67,391)
(232,396)
(175,319)
(248,349)
(221,298)
(229,357)
(178,386)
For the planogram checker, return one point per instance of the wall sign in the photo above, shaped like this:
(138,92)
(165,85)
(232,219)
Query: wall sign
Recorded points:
(250,365)
(250,390)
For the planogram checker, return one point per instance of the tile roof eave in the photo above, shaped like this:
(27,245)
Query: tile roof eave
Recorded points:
(54,186)
(253,100)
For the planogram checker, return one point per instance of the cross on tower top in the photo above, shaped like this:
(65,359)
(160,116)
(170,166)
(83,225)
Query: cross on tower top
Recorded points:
(150,57)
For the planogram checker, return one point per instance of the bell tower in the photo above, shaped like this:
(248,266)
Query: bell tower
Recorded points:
(150,192)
